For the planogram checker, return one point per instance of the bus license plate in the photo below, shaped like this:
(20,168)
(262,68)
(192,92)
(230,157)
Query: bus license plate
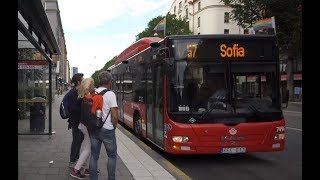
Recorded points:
(233,150)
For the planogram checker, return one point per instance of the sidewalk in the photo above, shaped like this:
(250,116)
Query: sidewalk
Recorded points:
(294,106)
(35,152)
(294,103)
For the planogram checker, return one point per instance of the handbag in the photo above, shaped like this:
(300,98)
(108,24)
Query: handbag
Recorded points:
(99,123)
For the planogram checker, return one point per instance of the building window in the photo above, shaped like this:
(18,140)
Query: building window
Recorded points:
(180,17)
(198,33)
(180,5)
(246,31)
(199,6)
(174,10)
(226,31)
(187,14)
(198,21)
(226,17)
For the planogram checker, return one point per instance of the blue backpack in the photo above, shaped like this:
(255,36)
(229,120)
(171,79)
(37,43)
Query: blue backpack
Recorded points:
(64,109)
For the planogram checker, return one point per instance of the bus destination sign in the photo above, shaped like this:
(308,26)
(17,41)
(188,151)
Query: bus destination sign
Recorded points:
(222,49)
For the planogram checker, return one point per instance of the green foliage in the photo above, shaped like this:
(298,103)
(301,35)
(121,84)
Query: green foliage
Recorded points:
(288,19)
(246,12)
(149,32)
(95,75)
(174,26)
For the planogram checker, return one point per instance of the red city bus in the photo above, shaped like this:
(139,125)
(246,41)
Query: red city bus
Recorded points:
(202,94)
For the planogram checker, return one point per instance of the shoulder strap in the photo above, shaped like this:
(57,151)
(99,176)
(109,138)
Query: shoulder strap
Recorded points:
(65,97)
(106,117)
(103,92)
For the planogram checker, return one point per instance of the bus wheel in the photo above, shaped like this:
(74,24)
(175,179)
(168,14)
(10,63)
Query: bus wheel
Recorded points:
(137,126)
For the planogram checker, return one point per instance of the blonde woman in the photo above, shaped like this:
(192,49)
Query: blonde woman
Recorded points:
(86,86)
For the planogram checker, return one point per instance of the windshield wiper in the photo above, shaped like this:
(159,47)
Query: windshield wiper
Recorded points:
(205,113)
(215,105)
(253,108)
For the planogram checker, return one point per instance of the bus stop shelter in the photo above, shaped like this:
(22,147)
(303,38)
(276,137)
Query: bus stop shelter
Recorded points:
(36,46)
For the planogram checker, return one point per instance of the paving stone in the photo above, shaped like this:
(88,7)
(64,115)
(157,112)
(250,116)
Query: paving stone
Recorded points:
(34,177)
(51,170)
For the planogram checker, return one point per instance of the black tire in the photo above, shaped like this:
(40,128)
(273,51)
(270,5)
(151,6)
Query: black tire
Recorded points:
(137,126)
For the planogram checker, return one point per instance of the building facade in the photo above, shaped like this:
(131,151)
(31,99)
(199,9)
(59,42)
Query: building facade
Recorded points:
(53,14)
(207,17)
(74,70)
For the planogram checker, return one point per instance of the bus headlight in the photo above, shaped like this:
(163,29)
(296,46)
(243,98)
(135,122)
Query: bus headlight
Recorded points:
(180,138)
(279,136)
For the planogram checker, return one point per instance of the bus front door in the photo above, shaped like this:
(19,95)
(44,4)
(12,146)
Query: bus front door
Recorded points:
(154,103)
(149,102)
(158,104)
(120,102)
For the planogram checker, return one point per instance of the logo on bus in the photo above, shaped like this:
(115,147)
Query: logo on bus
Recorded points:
(233,131)
(167,127)
(280,128)
(234,51)
(192,120)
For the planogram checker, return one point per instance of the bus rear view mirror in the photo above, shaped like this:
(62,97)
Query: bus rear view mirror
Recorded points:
(155,44)
(125,62)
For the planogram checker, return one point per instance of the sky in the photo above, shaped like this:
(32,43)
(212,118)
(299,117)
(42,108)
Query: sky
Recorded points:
(97,30)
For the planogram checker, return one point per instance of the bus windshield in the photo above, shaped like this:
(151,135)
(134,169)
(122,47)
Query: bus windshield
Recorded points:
(223,89)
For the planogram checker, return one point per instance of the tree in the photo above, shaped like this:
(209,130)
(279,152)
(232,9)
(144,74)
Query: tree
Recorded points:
(288,20)
(174,26)
(95,75)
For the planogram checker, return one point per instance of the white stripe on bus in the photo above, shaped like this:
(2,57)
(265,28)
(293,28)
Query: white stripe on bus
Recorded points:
(127,117)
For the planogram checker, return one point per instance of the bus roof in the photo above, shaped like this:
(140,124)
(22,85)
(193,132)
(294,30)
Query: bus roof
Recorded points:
(135,48)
